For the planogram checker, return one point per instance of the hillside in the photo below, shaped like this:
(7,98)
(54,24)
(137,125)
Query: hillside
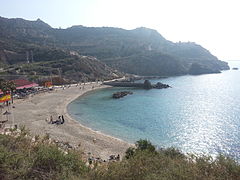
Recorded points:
(140,51)
(26,49)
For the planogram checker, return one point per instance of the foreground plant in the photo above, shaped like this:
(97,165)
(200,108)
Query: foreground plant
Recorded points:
(23,158)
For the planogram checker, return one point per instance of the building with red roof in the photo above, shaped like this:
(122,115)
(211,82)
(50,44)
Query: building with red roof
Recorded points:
(22,83)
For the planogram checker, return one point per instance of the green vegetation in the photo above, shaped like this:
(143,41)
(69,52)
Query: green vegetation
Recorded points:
(22,158)
(73,68)
(7,86)
(146,163)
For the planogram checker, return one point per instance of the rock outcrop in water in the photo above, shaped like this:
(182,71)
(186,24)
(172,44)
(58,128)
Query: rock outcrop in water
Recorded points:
(121,94)
(161,86)
(146,85)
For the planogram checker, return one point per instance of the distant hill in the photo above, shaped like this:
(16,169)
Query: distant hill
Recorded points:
(28,48)
(140,51)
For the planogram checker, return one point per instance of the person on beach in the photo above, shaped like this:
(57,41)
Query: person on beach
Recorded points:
(62,120)
(118,157)
(59,121)
(55,122)
(51,119)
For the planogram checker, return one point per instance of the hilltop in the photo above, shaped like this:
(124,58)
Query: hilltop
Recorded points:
(140,51)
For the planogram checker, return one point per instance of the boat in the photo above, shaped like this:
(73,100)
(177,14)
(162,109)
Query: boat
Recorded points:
(235,68)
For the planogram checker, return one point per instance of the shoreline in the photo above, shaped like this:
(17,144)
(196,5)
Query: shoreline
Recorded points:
(33,112)
(95,131)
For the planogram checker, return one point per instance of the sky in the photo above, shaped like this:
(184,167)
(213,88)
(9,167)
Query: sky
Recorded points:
(214,24)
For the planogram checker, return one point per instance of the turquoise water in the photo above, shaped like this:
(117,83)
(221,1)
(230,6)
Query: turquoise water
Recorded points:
(200,114)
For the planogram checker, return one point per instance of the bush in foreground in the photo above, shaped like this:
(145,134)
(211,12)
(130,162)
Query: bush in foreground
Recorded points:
(20,158)
(146,163)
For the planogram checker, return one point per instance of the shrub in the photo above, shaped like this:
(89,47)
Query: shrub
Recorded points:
(144,145)
(172,153)
(22,159)
(146,163)
(129,152)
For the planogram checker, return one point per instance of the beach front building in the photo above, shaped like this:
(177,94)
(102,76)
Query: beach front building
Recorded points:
(23,84)
(24,87)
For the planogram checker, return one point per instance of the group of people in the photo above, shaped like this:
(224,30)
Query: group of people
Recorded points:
(60,120)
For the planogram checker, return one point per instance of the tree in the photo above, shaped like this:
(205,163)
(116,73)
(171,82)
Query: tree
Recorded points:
(130,152)
(144,144)
(7,86)
(141,145)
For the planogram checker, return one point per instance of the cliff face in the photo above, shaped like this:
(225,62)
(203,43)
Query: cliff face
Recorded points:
(140,51)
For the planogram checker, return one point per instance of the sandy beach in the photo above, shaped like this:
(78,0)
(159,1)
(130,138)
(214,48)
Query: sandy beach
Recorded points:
(33,112)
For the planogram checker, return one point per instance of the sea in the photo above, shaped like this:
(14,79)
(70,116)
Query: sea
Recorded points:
(200,114)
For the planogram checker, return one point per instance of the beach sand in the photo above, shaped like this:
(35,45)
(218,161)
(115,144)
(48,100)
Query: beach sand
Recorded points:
(33,112)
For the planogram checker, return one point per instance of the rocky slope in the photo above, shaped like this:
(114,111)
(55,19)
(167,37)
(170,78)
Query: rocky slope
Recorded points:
(27,49)
(140,51)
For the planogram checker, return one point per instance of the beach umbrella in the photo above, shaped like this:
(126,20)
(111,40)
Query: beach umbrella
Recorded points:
(3,121)
(6,114)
